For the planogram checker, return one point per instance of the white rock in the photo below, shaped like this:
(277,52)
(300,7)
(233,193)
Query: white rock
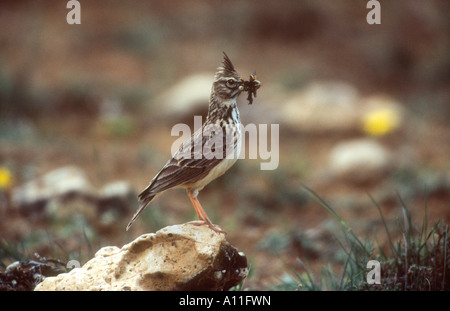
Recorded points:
(180,257)
(62,181)
(322,106)
(119,188)
(187,95)
(359,160)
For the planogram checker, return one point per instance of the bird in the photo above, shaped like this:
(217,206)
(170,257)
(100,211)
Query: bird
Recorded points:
(211,150)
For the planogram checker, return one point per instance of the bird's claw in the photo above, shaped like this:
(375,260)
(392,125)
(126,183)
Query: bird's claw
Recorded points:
(213,227)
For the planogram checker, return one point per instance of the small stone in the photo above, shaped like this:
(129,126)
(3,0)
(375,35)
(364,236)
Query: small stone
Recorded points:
(322,107)
(189,94)
(61,183)
(360,160)
(115,200)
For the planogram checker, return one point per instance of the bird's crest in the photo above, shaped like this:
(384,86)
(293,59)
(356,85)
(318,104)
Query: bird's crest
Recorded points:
(227,64)
(227,68)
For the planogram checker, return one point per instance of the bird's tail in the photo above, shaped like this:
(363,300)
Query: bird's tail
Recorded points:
(145,199)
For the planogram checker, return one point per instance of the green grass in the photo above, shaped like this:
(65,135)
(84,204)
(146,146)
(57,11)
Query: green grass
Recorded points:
(417,258)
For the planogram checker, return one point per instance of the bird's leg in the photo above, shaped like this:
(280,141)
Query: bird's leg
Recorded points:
(202,214)
(199,209)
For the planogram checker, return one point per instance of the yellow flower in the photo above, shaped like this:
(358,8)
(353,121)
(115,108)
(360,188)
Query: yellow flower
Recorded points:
(381,121)
(5,178)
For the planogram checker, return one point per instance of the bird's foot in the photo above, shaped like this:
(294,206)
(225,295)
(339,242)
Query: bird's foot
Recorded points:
(209,224)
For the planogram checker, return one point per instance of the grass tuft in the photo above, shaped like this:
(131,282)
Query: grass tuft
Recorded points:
(418,259)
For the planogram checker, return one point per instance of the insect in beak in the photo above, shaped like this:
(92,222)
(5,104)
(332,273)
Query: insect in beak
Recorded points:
(250,86)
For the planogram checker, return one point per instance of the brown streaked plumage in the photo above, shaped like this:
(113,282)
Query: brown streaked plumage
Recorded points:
(210,151)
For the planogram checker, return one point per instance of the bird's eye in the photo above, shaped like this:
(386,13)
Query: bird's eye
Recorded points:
(231,83)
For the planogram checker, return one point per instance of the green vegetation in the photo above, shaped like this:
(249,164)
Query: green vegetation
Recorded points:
(417,258)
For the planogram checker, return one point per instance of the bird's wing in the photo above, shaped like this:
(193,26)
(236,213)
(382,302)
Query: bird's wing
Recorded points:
(193,160)
(189,164)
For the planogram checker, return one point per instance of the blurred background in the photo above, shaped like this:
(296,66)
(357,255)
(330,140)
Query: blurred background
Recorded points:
(86,113)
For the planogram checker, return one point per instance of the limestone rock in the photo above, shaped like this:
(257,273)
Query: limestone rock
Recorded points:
(360,160)
(66,193)
(188,95)
(330,106)
(118,189)
(63,182)
(115,200)
(322,106)
(179,257)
